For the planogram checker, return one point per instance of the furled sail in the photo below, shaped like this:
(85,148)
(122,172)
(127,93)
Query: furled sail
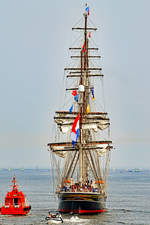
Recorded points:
(61,154)
(92,121)
(67,113)
(104,148)
(61,149)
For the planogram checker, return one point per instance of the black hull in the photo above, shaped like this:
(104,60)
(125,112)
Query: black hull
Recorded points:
(81,203)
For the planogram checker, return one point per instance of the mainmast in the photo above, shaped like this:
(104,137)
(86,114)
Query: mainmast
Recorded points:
(84,96)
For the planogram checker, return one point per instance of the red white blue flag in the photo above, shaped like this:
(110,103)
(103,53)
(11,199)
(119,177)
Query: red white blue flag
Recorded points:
(75,130)
(87,10)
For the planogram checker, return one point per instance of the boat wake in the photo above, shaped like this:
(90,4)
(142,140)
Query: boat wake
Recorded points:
(129,211)
(76,219)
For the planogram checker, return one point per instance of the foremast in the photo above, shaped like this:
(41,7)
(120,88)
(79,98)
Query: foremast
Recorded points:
(87,154)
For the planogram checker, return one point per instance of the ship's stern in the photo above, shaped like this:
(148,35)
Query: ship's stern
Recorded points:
(81,203)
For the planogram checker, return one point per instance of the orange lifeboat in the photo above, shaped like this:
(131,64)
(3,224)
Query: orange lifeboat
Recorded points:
(15,202)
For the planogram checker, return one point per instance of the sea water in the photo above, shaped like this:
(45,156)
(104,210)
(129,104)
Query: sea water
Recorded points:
(128,199)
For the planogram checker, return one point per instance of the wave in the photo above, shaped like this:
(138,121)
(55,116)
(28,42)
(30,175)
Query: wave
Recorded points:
(128,210)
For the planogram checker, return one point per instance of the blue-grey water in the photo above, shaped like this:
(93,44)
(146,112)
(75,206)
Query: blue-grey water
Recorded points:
(128,198)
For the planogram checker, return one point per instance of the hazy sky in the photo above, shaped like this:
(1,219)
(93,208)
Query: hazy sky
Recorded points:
(34,39)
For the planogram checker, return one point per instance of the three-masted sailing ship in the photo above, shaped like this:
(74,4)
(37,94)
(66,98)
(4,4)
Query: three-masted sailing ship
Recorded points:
(81,179)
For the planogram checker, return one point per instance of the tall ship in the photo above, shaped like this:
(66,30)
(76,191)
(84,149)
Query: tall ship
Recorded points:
(80,154)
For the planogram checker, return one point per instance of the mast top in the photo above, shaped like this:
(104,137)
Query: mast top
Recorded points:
(14,183)
(87,10)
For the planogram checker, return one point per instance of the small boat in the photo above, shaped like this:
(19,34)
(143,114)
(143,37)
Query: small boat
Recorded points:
(15,202)
(54,217)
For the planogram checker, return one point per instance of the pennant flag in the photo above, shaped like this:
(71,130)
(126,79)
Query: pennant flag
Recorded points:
(83,47)
(92,91)
(88,109)
(76,98)
(87,10)
(75,130)
(89,34)
(71,109)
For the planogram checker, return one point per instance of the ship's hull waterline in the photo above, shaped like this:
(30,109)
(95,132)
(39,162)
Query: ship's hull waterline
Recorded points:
(81,203)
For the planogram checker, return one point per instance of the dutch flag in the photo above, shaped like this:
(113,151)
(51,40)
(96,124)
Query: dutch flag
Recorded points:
(75,130)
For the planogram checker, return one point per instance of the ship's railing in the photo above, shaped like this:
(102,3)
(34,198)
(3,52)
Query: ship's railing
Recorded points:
(74,188)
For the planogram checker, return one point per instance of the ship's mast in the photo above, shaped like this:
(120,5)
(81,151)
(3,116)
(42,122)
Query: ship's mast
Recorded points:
(84,97)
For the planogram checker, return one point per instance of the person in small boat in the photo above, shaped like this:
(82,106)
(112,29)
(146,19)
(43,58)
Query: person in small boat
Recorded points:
(51,215)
